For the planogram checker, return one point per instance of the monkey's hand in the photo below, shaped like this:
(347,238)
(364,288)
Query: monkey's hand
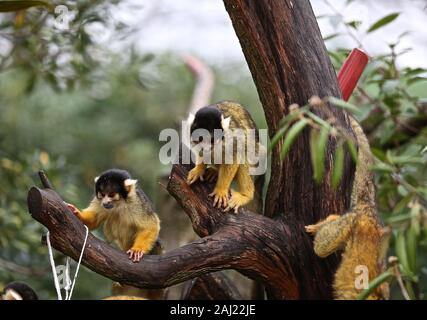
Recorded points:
(220,197)
(135,254)
(196,173)
(73,209)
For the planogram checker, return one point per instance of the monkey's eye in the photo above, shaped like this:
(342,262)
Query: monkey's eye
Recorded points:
(111,194)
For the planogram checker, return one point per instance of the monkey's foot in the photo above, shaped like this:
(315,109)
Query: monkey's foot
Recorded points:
(220,197)
(237,200)
(211,174)
(195,174)
(135,255)
(312,229)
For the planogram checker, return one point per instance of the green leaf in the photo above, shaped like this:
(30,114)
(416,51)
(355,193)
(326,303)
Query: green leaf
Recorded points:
(386,276)
(400,247)
(355,24)
(409,72)
(331,36)
(403,203)
(286,122)
(353,150)
(411,246)
(293,133)
(416,80)
(338,166)
(398,219)
(318,120)
(343,104)
(318,142)
(383,22)
(12,6)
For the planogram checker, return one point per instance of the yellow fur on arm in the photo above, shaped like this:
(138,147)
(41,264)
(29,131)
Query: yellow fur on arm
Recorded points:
(333,234)
(145,239)
(245,182)
(89,218)
(225,176)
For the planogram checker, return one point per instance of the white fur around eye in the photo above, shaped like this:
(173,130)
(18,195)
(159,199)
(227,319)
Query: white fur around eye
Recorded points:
(130,182)
(225,122)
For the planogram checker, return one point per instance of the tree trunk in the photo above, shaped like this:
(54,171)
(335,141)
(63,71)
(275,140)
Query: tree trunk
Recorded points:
(289,63)
(288,60)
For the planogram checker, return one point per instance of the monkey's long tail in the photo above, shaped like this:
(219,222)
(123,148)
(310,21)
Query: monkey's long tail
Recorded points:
(363,186)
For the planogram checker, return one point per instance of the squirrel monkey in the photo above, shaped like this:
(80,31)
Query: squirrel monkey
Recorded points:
(211,129)
(126,212)
(359,233)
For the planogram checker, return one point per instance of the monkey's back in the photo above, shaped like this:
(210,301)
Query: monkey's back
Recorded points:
(362,250)
(240,117)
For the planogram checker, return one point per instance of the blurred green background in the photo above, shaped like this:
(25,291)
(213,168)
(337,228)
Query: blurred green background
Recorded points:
(74,107)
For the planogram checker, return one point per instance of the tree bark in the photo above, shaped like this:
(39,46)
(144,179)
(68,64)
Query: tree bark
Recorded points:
(288,60)
(213,286)
(289,63)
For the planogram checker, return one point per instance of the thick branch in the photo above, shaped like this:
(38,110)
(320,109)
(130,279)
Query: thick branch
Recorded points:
(239,245)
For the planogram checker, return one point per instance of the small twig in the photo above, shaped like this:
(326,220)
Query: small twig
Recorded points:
(394,261)
(45,180)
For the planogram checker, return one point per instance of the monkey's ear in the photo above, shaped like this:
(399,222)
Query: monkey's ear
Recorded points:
(96,179)
(225,123)
(130,184)
(190,119)
(12,295)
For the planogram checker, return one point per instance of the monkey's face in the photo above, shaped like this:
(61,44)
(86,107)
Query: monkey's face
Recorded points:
(108,198)
(113,187)
(208,127)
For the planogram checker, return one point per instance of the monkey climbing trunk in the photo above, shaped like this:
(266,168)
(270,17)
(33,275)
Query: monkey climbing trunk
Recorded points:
(289,63)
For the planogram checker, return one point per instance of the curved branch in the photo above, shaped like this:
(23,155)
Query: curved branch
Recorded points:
(238,245)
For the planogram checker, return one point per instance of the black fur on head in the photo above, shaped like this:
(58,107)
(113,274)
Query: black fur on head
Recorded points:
(112,181)
(22,289)
(208,118)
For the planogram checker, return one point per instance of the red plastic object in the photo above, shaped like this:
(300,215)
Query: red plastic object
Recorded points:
(351,71)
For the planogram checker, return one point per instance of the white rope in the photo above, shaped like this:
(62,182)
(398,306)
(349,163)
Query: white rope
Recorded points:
(52,264)
(68,291)
(67,278)
(78,264)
